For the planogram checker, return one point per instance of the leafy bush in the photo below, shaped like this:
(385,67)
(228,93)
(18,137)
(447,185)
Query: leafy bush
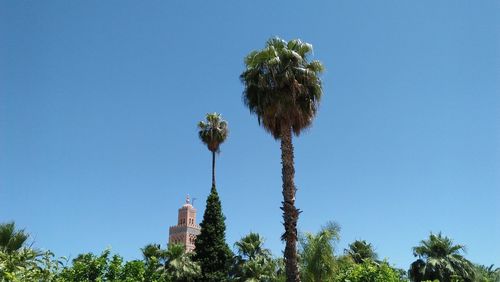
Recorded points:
(368,271)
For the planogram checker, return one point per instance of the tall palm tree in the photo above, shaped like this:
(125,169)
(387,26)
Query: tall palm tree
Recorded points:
(11,240)
(213,132)
(439,258)
(283,89)
(360,250)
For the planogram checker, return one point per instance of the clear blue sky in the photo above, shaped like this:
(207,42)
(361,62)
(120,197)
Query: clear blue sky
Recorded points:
(99,102)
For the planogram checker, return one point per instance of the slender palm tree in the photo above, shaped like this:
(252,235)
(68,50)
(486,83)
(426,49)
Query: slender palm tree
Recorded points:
(11,240)
(360,250)
(439,258)
(283,89)
(213,132)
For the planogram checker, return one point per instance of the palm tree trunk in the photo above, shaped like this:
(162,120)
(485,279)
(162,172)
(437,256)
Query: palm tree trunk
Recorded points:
(290,212)
(213,168)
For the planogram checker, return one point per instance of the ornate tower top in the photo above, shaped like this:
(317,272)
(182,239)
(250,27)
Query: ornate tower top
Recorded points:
(186,230)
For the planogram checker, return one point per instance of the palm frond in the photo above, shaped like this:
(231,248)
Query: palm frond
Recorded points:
(11,239)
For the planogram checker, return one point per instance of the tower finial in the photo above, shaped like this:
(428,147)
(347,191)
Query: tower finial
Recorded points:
(187,199)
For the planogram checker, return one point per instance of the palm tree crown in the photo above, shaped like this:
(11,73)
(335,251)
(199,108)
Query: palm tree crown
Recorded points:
(360,250)
(281,86)
(11,239)
(437,246)
(151,251)
(251,246)
(179,265)
(254,262)
(213,131)
(439,258)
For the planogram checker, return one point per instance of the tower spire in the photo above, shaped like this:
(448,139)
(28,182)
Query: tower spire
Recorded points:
(186,230)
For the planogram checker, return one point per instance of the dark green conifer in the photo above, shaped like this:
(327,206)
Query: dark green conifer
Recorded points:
(212,252)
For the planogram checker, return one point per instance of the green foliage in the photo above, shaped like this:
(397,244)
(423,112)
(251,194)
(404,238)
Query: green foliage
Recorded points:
(134,270)
(212,252)
(114,268)
(360,250)
(26,264)
(251,246)
(151,251)
(179,265)
(90,267)
(439,258)
(11,239)
(487,273)
(87,267)
(317,258)
(253,262)
(154,259)
(280,270)
(368,271)
(19,262)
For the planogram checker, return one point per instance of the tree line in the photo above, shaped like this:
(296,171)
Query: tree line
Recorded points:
(438,259)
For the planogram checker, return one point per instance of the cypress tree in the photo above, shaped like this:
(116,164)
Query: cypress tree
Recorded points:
(212,252)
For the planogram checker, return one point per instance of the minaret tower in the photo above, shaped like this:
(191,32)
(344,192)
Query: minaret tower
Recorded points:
(186,230)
